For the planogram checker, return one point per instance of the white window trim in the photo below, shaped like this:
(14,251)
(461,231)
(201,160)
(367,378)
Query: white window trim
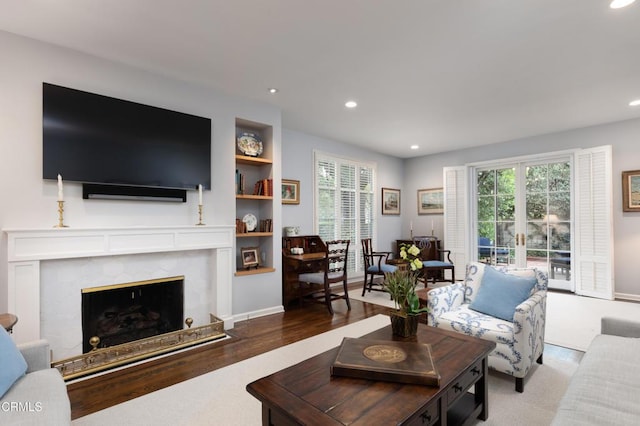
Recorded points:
(355,246)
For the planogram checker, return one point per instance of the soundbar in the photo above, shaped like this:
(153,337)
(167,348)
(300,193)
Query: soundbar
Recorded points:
(92,191)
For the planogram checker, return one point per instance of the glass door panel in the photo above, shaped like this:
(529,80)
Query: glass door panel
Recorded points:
(496,215)
(524,217)
(548,216)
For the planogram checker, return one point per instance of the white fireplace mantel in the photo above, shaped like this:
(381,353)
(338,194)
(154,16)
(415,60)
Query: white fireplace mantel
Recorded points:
(28,247)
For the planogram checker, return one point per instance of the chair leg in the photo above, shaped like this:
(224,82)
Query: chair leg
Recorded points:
(346,294)
(327,299)
(364,286)
(519,384)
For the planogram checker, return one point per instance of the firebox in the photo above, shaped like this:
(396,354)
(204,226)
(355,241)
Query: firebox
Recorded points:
(122,313)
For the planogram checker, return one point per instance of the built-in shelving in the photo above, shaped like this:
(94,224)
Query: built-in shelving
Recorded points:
(254,189)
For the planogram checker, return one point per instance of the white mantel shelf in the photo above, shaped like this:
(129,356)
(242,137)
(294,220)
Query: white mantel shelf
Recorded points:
(26,248)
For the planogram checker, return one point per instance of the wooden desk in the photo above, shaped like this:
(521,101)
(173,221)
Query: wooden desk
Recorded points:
(306,393)
(312,260)
(7,321)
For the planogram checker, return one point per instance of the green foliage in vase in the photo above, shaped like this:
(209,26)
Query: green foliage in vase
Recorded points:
(401,285)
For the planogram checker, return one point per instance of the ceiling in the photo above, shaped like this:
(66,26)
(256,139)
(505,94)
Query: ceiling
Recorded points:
(440,74)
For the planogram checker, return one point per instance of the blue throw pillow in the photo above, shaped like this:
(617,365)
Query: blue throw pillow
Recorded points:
(500,293)
(12,363)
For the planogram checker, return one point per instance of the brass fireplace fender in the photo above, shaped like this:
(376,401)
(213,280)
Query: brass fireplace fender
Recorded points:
(113,356)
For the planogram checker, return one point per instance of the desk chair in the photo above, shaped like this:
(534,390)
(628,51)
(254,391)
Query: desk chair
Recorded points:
(434,269)
(318,286)
(374,265)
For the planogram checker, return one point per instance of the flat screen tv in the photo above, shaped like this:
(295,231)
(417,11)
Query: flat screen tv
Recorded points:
(97,139)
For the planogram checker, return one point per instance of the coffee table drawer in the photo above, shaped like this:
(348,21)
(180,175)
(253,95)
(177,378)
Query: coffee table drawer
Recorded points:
(430,416)
(469,377)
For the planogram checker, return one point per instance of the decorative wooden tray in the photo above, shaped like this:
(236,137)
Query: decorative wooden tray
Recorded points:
(403,362)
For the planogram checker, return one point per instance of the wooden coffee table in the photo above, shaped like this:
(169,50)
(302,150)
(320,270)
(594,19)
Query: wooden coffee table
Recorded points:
(306,393)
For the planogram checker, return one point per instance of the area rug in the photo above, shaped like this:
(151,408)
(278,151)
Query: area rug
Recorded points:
(220,397)
(572,321)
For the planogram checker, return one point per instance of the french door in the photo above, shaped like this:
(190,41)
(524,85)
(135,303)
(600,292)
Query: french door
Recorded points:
(526,219)
(523,216)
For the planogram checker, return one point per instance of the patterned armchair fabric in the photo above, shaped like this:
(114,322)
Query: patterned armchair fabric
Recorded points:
(518,343)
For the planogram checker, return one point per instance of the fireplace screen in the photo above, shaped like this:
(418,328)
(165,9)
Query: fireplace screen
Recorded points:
(123,313)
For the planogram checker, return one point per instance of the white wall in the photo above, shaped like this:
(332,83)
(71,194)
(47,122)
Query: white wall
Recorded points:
(297,164)
(623,136)
(27,201)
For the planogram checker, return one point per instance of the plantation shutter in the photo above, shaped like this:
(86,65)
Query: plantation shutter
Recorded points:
(344,203)
(593,264)
(455,217)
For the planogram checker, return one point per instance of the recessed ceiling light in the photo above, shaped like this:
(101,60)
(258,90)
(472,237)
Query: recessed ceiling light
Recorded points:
(617,4)
(273,90)
(634,103)
(351,104)
(414,147)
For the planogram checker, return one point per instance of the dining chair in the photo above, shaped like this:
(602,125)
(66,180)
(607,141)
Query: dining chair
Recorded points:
(434,266)
(321,286)
(375,264)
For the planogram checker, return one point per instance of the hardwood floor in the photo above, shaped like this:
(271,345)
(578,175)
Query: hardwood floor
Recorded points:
(248,338)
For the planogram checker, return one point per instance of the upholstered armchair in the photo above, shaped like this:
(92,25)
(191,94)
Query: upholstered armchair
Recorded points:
(473,308)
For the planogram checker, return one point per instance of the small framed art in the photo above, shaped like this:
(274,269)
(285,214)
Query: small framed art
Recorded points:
(631,191)
(290,191)
(390,201)
(250,257)
(430,201)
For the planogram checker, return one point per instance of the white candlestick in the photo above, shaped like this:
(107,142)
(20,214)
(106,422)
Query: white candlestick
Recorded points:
(200,194)
(411,225)
(432,227)
(60,193)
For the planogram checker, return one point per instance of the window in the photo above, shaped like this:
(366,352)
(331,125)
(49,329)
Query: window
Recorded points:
(344,203)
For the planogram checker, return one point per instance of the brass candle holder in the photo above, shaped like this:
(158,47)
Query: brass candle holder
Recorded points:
(60,216)
(200,223)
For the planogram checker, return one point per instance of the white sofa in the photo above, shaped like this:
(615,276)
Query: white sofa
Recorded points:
(519,340)
(40,396)
(604,390)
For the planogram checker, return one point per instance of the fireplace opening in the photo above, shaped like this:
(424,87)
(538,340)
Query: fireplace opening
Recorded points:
(123,313)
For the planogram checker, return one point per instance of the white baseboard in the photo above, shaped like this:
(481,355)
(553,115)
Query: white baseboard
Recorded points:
(625,296)
(260,313)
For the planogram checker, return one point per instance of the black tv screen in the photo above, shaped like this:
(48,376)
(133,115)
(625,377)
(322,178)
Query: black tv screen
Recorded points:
(92,138)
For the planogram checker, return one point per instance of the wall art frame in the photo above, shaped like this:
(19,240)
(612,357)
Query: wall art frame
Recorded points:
(631,191)
(290,191)
(390,201)
(431,201)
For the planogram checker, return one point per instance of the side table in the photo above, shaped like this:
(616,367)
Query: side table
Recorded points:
(7,321)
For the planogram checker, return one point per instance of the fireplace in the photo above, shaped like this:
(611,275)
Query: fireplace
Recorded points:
(123,313)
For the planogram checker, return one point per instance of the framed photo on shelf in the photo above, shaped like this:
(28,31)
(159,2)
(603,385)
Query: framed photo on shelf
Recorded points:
(631,191)
(250,257)
(290,191)
(430,201)
(390,201)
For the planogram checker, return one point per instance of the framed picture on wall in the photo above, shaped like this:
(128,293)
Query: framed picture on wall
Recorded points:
(631,191)
(390,201)
(430,201)
(290,191)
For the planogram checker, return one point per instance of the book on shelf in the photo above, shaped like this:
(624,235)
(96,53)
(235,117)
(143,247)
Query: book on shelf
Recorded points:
(239,183)
(387,360)
(263,187)
(266,225)
(241,227)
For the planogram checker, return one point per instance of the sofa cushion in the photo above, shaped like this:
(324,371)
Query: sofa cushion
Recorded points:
(41,398)
(604,389)
(13,364)
(499,293)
